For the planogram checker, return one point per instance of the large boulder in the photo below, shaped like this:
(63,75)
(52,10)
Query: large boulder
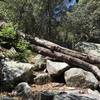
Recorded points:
(24,90)
(14,72)
(89,48)
(56,68)
(77,77)
(12,69)
(65,96)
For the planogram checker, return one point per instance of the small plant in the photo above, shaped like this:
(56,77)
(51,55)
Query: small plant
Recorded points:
(9,39)
(24,52)
(24,56)
(8,35)
(22,45)
(8,31)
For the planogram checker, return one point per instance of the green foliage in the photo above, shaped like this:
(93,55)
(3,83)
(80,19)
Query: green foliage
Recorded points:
(32,17)
(8,30)
(22,45)
(24,53)
(8,35)
(83,22)
(25,13)
(24,56)
(9,38)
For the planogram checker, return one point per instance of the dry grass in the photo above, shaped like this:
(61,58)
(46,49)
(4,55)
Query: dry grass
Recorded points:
(50,87)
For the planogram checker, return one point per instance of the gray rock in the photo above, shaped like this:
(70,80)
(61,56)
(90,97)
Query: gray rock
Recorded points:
(13,72)
(62,96)
(42,78)
(24,90)
(10,53)
(6,98)
(85,93)
(13,69)
(93,94)
(1,67)
(77,77)
(65,96)
(89,48)
(39,62)
(56,68)
(43,96)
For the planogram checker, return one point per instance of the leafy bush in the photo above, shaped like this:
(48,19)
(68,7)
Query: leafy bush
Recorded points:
(8,31)
(8,35)
(22,44)
(24,56)
(9,38)
(24,52)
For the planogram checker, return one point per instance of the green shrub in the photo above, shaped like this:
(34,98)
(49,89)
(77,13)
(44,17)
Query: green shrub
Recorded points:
(8,31)
(22,45)
(8,35)
(9,38)
(23,56)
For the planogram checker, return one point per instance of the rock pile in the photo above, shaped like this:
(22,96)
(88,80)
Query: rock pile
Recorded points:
(43,71)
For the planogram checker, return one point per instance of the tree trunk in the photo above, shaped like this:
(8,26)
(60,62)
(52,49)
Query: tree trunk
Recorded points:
(68,59)
(55,47)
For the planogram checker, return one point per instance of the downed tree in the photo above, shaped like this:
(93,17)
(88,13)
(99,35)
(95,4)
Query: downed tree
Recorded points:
(68,59)
(71,57)
(55,47)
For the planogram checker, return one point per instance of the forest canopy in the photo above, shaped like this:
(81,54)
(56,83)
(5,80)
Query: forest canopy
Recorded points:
(33,17)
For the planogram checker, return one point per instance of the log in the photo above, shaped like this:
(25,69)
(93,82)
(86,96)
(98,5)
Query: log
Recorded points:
(55,47)
(68,59)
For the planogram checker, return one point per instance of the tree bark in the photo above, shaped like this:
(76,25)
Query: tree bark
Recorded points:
(68,59)
(55,47)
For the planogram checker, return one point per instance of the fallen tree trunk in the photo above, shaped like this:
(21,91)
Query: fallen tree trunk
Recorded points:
(71,57)
(55,47)
(68,59)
